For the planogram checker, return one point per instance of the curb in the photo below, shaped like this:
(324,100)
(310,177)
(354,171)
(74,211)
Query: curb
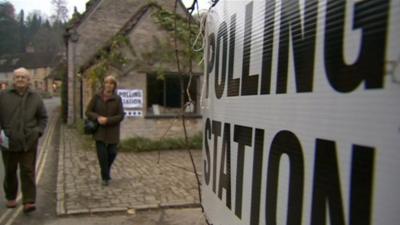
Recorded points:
(122,209)
(60,175)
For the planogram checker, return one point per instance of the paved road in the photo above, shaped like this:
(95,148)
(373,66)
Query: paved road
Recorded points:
(51,105)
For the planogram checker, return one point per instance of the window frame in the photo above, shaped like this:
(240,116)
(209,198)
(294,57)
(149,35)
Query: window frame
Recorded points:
(169,76)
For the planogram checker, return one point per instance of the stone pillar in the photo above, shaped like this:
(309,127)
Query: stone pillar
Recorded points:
(70,85)
(73,38)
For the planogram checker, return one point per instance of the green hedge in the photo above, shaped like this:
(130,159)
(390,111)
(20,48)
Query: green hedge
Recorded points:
(140,144)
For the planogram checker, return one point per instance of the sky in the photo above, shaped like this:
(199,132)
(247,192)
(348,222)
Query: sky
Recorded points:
(46,7)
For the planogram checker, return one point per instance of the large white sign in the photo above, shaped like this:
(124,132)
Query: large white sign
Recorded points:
(131,98)
(302,113)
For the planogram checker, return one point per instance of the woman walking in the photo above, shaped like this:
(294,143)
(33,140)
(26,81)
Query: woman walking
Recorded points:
(106,108)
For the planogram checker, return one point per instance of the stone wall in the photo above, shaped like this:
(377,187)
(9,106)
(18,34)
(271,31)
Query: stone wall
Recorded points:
(107,18)
(142,38)
(152,127)
(148,127)
(104,21)
(99,24)
(38,78)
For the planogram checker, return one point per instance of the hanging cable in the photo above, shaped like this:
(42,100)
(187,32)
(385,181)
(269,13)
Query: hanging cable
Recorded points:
(200,35)
(188,94)
(214,2)
(186,91)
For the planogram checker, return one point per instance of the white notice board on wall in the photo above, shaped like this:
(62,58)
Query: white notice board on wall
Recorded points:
(131,98)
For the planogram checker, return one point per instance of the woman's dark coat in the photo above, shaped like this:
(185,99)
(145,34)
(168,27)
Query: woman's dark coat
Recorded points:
(113,110)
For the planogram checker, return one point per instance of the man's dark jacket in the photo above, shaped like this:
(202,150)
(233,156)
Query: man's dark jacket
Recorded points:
(23,118)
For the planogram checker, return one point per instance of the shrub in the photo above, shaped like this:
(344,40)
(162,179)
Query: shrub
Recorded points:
(140,144)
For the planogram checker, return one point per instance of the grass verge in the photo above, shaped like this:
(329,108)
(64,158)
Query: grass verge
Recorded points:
(140,144)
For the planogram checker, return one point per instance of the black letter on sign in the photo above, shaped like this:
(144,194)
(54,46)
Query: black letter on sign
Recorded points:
(216,130)
(249,83)
(233,84)
(303,44)
(242,135)
(257,171)
(207,136)
(225,178)
(370,65)
(210,62)
(285,142)
(326,185)
(222,33)
(362,171)
(268,44)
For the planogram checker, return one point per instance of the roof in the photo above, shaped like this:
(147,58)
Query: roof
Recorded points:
(106,18)
(90,6)
(130,25)
(32,60)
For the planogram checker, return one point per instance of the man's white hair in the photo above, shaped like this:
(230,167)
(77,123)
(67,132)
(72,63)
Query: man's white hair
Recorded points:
(23,71)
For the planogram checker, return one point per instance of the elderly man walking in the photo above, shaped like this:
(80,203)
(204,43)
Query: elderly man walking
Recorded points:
(23,118)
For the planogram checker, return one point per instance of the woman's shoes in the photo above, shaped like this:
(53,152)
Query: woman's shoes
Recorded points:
(29,207)
(105,183)
(11,204)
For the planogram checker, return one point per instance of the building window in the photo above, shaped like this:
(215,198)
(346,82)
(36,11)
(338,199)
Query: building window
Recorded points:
(164,94)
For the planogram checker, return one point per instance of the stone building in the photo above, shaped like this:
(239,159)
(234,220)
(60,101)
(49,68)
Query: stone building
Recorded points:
(40,65)
(126,38)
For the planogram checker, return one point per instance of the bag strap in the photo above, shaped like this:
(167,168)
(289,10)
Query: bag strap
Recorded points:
(94,104)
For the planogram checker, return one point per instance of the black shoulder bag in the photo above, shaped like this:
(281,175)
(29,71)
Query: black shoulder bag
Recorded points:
(90,126)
